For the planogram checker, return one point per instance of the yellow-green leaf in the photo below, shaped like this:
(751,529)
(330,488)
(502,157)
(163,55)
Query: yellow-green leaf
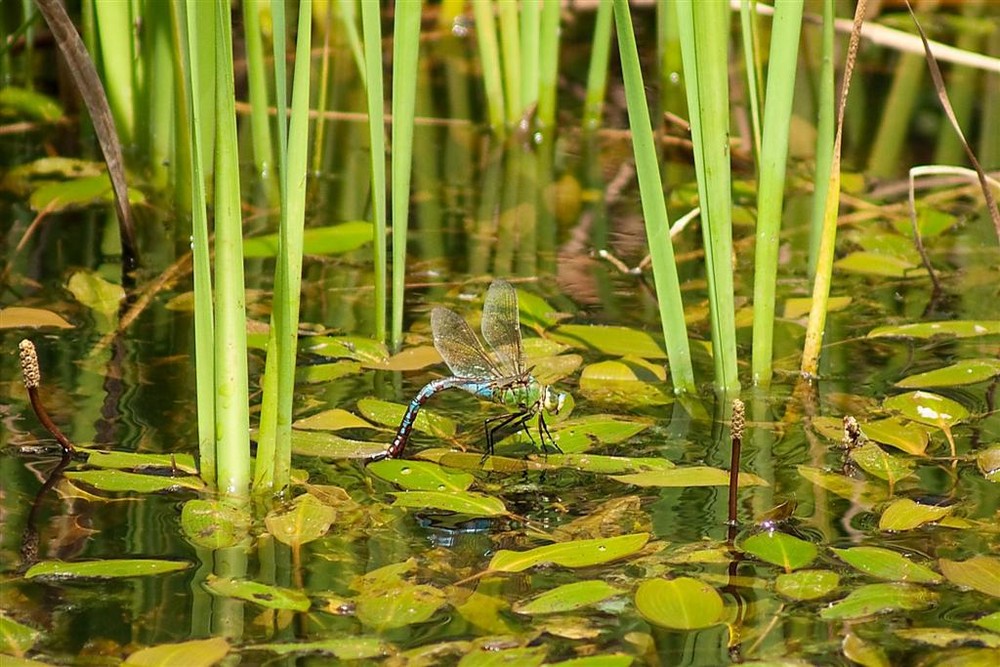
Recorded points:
(681,604)
(195,653)
(981,573)
(567,597)
(104,569)
(269,597)
(905,514)
(460,502)
(578,553)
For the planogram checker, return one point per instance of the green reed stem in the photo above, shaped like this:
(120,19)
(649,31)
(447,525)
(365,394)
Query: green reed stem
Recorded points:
(751,62)
(406,50)
(825,130)
(530,28)
(489,58)
(114,27)
(160,94)
(771,191)
(348,19)
(548,64)
(325,82)
(704,27)
(597,74)
(510,43)
(260,121)
(654,207)
(372,29)
(232,396)
(204,328)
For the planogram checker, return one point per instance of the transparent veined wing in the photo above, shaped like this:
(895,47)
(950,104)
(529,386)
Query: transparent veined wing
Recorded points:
(502,327)
(460,348)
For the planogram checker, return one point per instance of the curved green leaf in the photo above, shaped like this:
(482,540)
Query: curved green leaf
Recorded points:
(567,597)
(887,564)
(865,494)
(305,520)
(460,502)
(905,514)
(981,573)
(956,328)
(119,481)
(135,461)
(607,465)
(627,382)
(420,475)
(879,599)
(927,408)
(688,476)
(967,371)
(945,637)
(578,553)
(681,604)
(873,460)
(269,597)
(214,524)
(612,340)
(806,584)
(16,637)
(104,569)
(195,653)
(390,414)
(349,648)
(332,240)
(329,445)
(399,605)
(906,436)
(781,549)
(336,419)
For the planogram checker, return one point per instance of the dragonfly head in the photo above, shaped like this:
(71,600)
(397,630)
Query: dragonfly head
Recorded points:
(552,401)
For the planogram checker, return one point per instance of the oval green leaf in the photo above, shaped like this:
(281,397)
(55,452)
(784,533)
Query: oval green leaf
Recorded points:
(781,549)
(680,604)
(195,653)
(873,460)
(887,564)
(214,524)
(612,340)
(332,240)
(879,599)
(956,328)
(945,637)
(906,436)
(991,622)
(981,573)
(390,414)
(93,291)
(567,597)
(460,502)
(134,461)
(104,569)
(16,638)
(631,383)
(385,608)
(17,317)
(358,348)
(967,371)
(578,553)
(582,433)
(905,514)
(119,481)
(927,408)
(865,494)
(331,446)
(270,597)
(350,648)
(864,653)
(688,476)
(607,465)
(877,264)
(420,475)
(336,419)
(806,584)
(610,660)
(988,462)
(305,520)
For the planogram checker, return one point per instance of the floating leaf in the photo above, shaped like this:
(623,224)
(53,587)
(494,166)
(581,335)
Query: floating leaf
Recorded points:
(119,481)
(927,408)
(879,599)
(24,178)
(331,240)
(864,653)
(326,372)
(609,660)
(397,604)
(887,564)
(874,461)
(194,653)
(269,597)
(806,584)
(944,637)
(328,445)
(460,502)
(688,476)
(876,264)
(905,514)
(214,524)
(906,436)
(421,475)
(336,419)
(410,359)
(681,604)
(307,519)
(991,622)
(612,340)
(95,292)
(15,637)
(781,549)
(390,414)
(134,461)
(956,328)
(78,193)
(358,348)
(348,648)
(17,317)
(489,656)
(797,307)
(988,462)
(633,382)
(967,371)
(473,461)
(104,569)
(29,104)
(582,433)
(863,493)
(487,613)
(981,573)
(536,313)
(578,553)
(607,465)
(568,597)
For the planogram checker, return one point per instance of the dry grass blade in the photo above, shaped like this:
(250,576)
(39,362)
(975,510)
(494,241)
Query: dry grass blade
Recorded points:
(89,85)
(942,93)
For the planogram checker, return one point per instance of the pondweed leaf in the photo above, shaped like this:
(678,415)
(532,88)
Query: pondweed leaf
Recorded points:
(104,569)
(567,597)
(214,524)
(16,317)
(875,599)
(336,419)
(944,637)
(194,653)
(582,433)
(270,597)
(905,514)
(688,476)
(488,613)
(26,103)
(332,240)
(473,461)
(988,462)
(621,383)
(797,307)
(927,408)
(981,573)
(328,445)
(609,660)
(385,600)
(866,494)
(304,520)
(781,549)
(619,515)
(887,564)
(967,371)
(420,475)
(906,436)
(607,465)
(862,652)
(23,178)
(874,461)
(490,656)
(611,340)
(326,372)
(536,313)
(16,638)
(680,604)
(410,359)
(95,292)
(578,553)
(991,622)
(120,481)
(183,463)
(460,502)
(390,414)
(877,264)
(806,584)
(956,328)
(348,648)
(364,350)
(77,193)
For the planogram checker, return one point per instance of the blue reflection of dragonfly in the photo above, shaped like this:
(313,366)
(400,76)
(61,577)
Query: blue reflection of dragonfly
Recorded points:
(501,377)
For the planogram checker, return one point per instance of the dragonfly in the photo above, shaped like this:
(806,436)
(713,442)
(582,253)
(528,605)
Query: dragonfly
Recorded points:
(500,376)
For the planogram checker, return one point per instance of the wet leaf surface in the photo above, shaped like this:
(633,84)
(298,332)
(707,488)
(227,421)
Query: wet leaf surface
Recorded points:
(104,569)
(864,653)
(947,637)
(607,465)
(807,584)
(77,193)
(681,604)
(864,493)
(16,638)
(181,463)
(195,653)
(981,573)
(578,553)
(336,419)
(781,549)
(214,524)
(420,475)
(364,350)
(876,264)
(567,597)
(874,599)
(390,414)
(332,240)
(120,481)
(329,445)
(906,514)
(875,461)
(905,436)
(304,520)
(611,340)
(968,371)
(887,564)
(269,597)
(460,502)
(927,408)
(688,476)
(633,383)
(386,600)
(955,328)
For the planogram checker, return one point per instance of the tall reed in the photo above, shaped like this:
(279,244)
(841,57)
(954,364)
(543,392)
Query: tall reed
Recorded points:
(372,30)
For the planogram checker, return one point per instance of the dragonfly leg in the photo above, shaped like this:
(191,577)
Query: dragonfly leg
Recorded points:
(495,424)
(543,430)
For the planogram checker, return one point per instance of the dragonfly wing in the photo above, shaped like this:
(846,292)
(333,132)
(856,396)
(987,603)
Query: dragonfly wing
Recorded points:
(459,347)
(502,327)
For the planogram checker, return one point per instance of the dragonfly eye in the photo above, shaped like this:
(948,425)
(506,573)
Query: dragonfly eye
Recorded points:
(553,402)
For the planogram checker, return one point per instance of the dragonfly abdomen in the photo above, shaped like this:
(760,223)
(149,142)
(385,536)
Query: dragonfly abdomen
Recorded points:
(398,443)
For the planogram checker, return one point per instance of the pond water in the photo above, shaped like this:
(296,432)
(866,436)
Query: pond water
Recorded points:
(884,552)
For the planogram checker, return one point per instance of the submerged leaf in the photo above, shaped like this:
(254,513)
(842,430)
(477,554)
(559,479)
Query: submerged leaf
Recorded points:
(95,292)
(905,514)
(887,564)
(336,419)
(967,371)
(864,653)
(866,494)
(607,465)
(632,383)
(877,264)
(879,599)
(688,476)
(16,638)
(806,584)
(420,475)
(681,604)
(214,524)
(944,637)
(269,597)
(873,460)
(781,549)
(365,350)
(568,597)
(956,328)
(307,519)
(981,573)
(77,193)
(331,240)
(135,461)
(104,569)
(460,502)
(16,317)
(194,653)
(347,648)
(578,553)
